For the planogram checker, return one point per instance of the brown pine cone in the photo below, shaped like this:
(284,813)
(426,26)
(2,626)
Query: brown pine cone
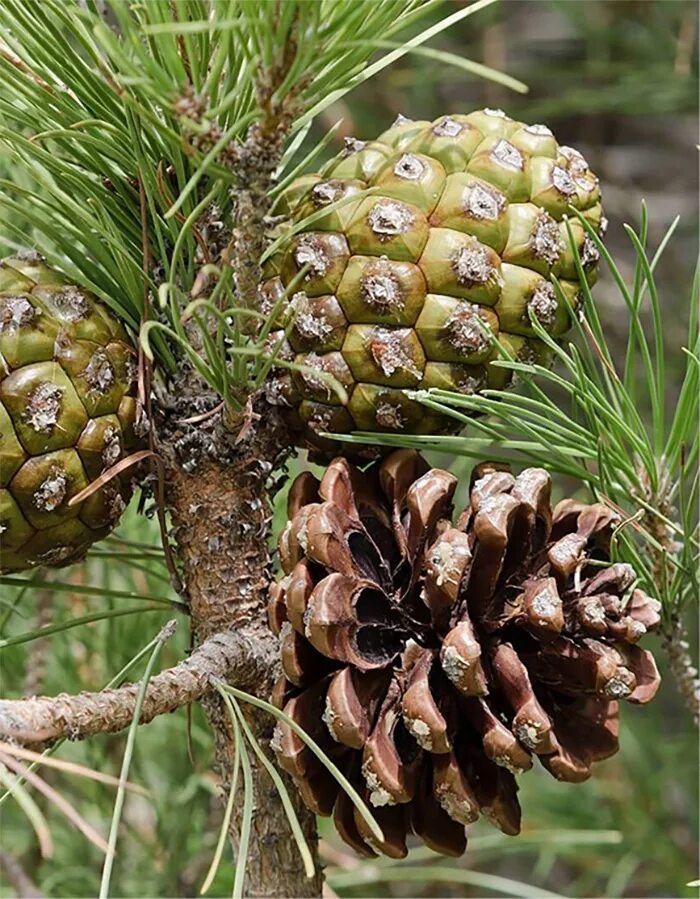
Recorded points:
(432,661)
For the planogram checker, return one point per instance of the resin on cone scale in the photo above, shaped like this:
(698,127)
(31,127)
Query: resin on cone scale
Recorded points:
(429,251)
(436,658)
(67,414)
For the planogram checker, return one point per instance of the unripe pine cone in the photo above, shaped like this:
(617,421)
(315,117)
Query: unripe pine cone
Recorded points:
(434,662)
(442,239)
(67,413)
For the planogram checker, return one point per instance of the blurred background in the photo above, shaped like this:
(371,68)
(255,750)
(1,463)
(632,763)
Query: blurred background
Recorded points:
(618,80)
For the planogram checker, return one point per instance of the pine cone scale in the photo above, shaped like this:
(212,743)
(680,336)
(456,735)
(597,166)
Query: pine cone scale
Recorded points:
(431,823)
(420,242)
(442,660)
(422,715)
(67,415)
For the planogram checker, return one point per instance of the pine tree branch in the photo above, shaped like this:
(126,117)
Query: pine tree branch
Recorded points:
(682,666)
(17,877)
(220,513)
(256,161)
(673,633)
(40,648)
(231,656)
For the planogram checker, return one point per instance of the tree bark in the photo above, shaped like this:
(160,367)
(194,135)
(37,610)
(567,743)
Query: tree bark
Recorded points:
(43,719)
(221,516)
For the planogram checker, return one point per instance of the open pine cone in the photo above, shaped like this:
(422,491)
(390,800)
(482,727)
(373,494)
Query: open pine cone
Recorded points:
(432,661)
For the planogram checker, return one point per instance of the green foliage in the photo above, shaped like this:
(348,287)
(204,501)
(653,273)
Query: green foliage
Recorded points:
(595,63)
(98,126)
(631,830)
(124,138)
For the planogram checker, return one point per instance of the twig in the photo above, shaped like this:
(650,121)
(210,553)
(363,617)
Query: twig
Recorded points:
(203,416)
(256,161)
(333,855)
(680,662)
(59,801)
(229,656)
(113,472)
(686,42)
(41,758)
(37,656)
(673,633)
(19,880)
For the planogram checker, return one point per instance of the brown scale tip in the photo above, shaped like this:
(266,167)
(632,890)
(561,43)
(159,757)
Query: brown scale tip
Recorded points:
(436,664)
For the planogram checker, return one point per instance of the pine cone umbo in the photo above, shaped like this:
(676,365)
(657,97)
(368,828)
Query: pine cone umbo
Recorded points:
(432,661)
(444,239)
(67,413)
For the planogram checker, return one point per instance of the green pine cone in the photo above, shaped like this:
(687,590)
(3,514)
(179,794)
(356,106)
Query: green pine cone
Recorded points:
(67,413)
(438,236)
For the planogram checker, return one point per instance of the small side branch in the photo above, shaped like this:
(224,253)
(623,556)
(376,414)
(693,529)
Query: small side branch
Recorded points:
(682,666)
(230,656)
(17,877)
(256,161)
(674,637)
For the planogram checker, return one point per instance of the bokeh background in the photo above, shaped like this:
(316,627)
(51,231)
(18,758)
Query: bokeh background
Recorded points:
(618,80)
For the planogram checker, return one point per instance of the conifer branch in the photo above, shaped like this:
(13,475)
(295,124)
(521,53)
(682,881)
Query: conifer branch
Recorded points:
(17,877)
(43,719)
(257,160)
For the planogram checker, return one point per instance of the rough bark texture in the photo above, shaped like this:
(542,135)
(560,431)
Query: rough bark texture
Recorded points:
(673,633)
(682,665)
(42,719)
(221,516)
(217,494)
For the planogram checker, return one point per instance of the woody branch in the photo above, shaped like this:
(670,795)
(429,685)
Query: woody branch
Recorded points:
(42,719)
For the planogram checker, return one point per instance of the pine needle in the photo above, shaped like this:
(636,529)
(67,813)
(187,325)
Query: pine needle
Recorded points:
(165,634)
(353,795)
